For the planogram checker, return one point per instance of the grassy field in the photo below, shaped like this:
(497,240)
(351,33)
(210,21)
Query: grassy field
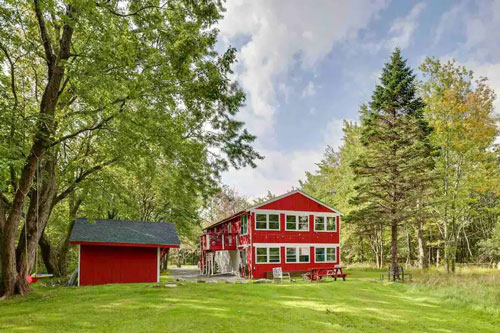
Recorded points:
(466,303)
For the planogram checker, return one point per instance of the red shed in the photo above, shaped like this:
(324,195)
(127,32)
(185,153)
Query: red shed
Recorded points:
(116,251)
(293,231)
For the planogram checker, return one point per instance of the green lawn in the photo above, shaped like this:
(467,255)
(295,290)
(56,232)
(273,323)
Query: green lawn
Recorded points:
(359,304)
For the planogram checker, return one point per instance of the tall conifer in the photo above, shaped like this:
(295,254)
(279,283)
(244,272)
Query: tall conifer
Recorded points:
(394,169)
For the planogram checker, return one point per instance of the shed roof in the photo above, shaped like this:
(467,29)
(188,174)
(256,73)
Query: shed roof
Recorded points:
(124,232)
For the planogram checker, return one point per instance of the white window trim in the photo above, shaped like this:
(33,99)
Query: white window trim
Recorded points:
(267,221)
(324,222)
(158,256)
(267,255)
(297,222)
(241,224)
(79,260)
(326,261)
(331,244)
(291,212)
(297,255)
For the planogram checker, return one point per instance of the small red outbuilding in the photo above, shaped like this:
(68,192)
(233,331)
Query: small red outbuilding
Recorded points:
(116,251)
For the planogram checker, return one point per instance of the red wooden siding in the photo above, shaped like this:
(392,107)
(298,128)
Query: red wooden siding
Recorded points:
(287,236)
(113,264)
(260,270)
(298,202)
(289,204)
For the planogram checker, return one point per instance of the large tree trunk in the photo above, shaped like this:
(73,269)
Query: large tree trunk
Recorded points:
(164,263)
(62,258)
(56,262)
(12,281)
(423,262)
(48,256)
(438,257)
(179,257)
(408,245)
(394,249)
(36,219)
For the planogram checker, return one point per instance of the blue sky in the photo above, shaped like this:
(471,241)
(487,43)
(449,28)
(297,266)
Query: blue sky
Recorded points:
(306,66)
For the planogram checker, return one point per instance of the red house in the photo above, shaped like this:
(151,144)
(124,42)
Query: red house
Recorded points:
(294,231)
(114,251)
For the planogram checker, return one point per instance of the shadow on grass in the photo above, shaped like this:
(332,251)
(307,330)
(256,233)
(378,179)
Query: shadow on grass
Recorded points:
(351,306)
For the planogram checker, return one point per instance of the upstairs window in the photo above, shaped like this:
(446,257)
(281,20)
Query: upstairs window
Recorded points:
(297,222)
(244,225)
(267,221)
(325,223)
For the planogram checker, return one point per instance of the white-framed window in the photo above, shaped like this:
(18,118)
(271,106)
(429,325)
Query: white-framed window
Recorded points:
(325,254)
(298,222)
(244,225)
(268,255)
(297,254)
(325,223)
(267,221)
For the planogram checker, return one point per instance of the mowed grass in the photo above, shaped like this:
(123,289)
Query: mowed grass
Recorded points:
(361,303)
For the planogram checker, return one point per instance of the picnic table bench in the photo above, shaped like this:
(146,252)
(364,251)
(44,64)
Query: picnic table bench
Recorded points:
(316,274)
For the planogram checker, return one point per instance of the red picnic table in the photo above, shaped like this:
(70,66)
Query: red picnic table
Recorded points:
(317,274)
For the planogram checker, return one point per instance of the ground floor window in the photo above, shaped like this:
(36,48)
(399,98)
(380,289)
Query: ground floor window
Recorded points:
(297,254)
(325,254)
(268,255)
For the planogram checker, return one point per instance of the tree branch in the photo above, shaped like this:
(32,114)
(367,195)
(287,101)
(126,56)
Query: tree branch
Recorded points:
(49,54)
(93,127)
(112,11)
(12,75)
(61,196)
(65,42)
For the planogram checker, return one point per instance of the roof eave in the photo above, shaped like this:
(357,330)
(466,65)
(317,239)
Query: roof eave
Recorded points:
(229,218)
(86,242)
(294,192)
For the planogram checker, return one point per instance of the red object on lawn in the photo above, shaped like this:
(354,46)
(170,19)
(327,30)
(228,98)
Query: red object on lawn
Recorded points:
(31,279)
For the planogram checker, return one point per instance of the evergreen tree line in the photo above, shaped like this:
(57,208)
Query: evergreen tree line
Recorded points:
(418,178)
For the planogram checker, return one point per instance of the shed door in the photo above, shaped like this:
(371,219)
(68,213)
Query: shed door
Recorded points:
(117,264)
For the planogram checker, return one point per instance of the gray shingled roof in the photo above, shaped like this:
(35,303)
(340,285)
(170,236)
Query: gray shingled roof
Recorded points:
(119,231)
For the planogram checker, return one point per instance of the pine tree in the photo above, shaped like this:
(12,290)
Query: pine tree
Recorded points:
(394,169)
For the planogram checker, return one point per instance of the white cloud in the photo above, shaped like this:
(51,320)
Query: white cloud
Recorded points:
(280,171)
(403,28)
(282,35)
(309,90)
(449,20)
(481,49)
(492,72)
(478,21)
(480,28)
